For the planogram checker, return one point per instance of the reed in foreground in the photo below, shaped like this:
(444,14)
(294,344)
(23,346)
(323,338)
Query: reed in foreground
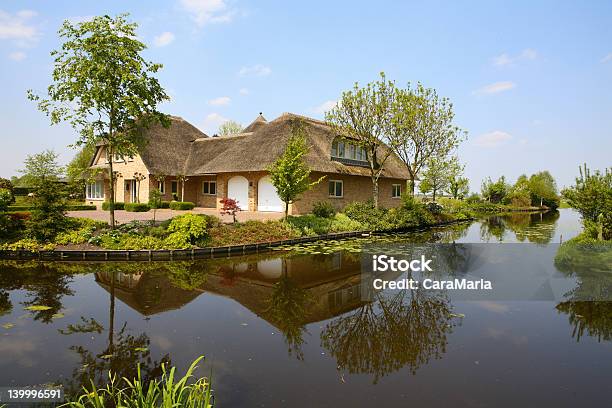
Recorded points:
(163,393)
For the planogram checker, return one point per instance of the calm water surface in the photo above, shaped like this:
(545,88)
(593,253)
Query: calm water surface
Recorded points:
(290,329)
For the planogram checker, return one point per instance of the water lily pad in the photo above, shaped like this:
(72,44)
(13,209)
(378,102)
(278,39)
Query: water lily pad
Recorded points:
(457,315)
(37,308)
(106,356)
(57,316)
(141,349)
(8,325)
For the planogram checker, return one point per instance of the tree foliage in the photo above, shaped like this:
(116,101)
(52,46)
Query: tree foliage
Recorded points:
(422,128)
(592,197)
(363,115)
(437,175)
(290,174)
(103,87)
(494,191)
(229,127)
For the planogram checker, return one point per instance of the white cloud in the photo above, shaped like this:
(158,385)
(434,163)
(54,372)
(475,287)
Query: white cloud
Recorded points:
(243,91)
(208,11)
(496,87)
(163,39)
(17,56)
(506,59)
(324,107)
(255,70)
(17,27)
(492,139)
(220,101)
(211,123)
(607,58)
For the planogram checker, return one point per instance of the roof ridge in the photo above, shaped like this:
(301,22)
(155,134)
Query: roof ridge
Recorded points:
(304,117)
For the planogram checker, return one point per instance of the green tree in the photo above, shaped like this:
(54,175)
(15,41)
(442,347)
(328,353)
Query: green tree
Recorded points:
(592,197)
(543,190)
(229,127)
(436,177)
(519,195)
(49,215)
(363,115)
(494,191)
(422,128)
(104,88)
(155,200)
(7,184)
(290,174)
(458,186)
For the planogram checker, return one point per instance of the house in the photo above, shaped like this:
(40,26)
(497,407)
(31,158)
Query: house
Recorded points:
(235,166)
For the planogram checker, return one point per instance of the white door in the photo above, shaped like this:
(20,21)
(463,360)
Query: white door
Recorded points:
(238,189)
(267,199)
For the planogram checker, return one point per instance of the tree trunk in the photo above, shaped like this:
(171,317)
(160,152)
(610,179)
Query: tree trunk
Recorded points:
(111,201)
(434,195)
(374,191)
(183,190)
(286,210)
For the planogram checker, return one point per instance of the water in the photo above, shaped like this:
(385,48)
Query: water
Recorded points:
(291,329)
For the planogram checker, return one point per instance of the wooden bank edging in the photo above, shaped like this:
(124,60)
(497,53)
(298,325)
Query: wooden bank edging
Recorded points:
(187,254)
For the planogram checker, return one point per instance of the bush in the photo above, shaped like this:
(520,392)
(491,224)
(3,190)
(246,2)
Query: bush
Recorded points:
(49,214)
(323,209)
(118,206)
(251,232)
(181,205)
(472,198)
(81,231)
(26,244)
(187,228)
(6,198)
(434,208)
(165,204)
(136,207)
(83,207)
(365,214)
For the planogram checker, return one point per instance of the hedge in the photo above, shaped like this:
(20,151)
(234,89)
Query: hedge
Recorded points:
(80,207)
(181,205)
(136,207)
(165,204)
(106,206)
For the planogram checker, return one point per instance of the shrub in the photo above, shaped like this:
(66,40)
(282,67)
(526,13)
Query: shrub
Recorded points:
(342,223)
(177,241)
(81,207)
(117,206)
(48,216)
(26,244)
(252,232)
(165,204)
(82,230)
(230,207)
(310,224)
(434,208)
(188,228)
(323,209)
(136,207)
(365,214)
(6,198)
(472,198)
(181,205)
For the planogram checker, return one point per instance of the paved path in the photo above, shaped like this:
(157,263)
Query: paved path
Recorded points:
(123,217)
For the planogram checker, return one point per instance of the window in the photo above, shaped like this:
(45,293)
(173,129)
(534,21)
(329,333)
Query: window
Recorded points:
(209,187)
(347,150)
(396,190)
(335,188)
(95,191)
(161,186)
(174,187)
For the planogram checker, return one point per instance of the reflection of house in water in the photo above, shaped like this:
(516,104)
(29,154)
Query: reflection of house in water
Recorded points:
(331,283)
(148,293)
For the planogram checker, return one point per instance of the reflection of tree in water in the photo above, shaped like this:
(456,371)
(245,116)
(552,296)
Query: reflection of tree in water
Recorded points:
(123,355)
(391,333)
(45,286)
(287,308)
(5,303)
(593,317)
(538,228)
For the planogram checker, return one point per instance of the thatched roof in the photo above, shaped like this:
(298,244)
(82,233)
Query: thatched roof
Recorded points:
(256,124)
(183,149)
(256,150)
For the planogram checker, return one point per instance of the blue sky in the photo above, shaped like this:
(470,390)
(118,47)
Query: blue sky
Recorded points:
(530,81)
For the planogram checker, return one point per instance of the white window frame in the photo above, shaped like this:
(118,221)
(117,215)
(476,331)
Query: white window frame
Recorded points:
(342,149)
(210,183)
(98,187)
(393,190)
(161,186)
(336,182)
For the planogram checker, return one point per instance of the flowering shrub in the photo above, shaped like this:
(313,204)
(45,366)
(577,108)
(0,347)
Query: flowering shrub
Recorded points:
(230,207)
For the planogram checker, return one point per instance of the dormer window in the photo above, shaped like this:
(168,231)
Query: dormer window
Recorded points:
(342,149)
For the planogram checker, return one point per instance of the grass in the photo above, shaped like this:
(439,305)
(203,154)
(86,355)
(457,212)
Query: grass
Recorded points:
(167,392)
